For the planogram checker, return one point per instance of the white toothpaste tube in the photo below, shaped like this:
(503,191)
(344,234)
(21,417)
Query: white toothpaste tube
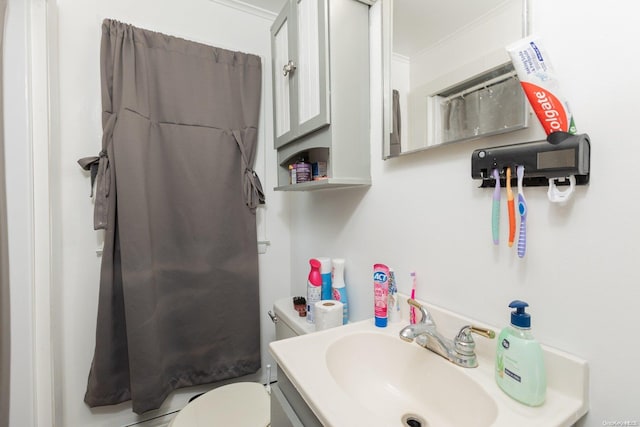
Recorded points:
(540,85)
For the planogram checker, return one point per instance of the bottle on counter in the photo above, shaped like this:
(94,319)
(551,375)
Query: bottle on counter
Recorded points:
(340,287)
(314,288)
(325,273)
(380,294)
(520,370)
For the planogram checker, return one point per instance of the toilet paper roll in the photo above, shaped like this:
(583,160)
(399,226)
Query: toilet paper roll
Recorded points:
(328,314)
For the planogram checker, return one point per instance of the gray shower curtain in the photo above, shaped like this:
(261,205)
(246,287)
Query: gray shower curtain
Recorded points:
(5,315)
(176,194)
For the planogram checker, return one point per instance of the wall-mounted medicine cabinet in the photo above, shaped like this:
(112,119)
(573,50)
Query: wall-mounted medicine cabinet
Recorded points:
(320,65)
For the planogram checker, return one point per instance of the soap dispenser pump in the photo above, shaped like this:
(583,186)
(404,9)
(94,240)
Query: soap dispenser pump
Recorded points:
(520,370)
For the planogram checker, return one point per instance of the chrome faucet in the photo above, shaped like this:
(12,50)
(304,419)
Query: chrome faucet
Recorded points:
(460,350)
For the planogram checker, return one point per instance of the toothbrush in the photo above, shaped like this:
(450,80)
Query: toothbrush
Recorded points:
(495,212)
(522,209)
(412,310)
(511,208)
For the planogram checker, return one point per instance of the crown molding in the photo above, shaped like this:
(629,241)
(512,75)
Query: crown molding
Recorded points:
(247,8)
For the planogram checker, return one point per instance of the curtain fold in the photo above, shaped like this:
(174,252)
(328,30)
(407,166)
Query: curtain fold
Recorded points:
(176,195)
(5,314)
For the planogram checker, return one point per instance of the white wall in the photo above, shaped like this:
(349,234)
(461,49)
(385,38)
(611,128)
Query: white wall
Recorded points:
(424,213)
(76,275)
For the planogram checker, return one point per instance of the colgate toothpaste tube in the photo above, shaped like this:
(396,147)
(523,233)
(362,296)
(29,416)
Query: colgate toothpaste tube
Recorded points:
(540,85)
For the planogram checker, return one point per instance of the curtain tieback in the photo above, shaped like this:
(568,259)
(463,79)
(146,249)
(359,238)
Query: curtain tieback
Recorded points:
(100,174)
(92,164)
(100,169)
(253,193)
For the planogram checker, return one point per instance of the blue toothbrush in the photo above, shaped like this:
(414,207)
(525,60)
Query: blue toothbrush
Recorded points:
(495,214)
(522,209)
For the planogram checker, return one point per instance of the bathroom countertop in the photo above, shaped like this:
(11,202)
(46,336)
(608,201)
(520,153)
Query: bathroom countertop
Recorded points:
(303,359)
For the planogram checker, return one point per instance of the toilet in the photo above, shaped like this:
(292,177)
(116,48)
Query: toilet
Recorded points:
(242,404)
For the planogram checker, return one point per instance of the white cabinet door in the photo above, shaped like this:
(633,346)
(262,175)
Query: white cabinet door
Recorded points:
(313,69)
(282,79)
(300,50)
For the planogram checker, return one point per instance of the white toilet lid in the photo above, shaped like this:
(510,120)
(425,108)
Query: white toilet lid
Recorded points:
(241,404)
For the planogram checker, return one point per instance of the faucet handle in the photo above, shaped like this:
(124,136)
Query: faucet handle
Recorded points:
(485,332)
(425,316)
(464,340)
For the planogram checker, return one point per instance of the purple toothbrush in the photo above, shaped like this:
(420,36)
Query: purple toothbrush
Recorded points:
(495,213)
(522,209)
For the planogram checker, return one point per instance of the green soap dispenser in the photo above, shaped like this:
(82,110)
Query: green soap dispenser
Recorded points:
(520,368)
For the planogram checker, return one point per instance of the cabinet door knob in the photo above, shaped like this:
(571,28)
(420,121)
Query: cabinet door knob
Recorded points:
(289,68)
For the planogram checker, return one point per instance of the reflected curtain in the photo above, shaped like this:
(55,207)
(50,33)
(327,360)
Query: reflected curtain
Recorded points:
(484,111)
(5,314)
(396,125)
(176,195)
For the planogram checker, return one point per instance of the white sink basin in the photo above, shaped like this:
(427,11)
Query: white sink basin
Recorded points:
(407,381)
(359,374)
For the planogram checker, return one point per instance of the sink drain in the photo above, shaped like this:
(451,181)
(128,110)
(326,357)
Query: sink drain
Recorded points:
(411,420)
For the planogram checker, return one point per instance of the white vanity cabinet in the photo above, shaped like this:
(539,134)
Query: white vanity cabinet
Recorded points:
(320,60)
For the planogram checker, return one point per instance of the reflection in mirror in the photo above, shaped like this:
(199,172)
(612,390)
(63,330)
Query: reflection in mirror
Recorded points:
(491,103)
(447,76)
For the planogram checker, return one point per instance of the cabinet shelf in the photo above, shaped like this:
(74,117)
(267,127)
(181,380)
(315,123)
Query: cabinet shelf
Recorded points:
(325,184)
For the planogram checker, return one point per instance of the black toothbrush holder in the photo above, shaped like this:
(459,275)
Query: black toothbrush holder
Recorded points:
(560,156)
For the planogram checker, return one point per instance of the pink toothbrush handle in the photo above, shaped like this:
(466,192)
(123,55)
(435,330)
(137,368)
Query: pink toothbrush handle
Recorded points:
(412,309)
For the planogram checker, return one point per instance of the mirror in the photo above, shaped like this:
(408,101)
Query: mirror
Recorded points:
(445,67)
